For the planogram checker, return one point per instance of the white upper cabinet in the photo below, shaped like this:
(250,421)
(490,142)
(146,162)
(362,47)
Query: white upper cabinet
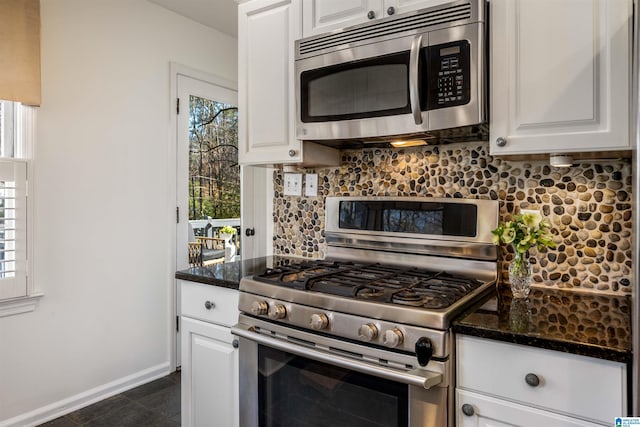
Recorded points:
(267,30)
(402,6)
(320,16)
(560,76)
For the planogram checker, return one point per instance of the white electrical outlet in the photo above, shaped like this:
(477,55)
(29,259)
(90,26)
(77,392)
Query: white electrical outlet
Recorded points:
(311,184)
(292,184)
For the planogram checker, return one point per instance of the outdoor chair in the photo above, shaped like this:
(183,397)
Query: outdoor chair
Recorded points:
(205,250)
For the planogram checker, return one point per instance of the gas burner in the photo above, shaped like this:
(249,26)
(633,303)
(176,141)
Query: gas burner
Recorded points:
(407,297)
(369,292)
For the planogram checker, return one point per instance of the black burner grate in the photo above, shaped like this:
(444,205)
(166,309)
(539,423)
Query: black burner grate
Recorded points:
(374,282)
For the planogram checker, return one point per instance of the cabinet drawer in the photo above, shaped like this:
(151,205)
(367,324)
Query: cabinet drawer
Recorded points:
(209,303)
(575,385)
(489,411)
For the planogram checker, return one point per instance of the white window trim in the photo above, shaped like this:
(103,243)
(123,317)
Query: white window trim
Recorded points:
(27,130)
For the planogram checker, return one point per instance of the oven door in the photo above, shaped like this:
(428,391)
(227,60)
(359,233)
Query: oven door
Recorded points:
(287,379)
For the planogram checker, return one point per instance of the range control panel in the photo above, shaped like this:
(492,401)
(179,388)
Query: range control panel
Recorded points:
(449,76)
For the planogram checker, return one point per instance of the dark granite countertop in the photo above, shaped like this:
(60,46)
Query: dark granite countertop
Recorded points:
(228,274)
(596,325)
(588,324)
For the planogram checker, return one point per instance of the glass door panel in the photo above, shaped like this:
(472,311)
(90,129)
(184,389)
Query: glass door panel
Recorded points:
(214,176)
(296,391)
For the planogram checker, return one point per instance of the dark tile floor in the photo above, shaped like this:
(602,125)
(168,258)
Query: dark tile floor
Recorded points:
(155,404)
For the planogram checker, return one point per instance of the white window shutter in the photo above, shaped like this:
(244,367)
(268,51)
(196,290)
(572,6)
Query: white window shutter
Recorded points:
(13,228)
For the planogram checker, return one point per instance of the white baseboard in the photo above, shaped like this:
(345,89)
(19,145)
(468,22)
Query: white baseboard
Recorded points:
(86,398)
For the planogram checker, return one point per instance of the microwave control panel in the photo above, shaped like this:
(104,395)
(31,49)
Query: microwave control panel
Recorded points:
(449,76)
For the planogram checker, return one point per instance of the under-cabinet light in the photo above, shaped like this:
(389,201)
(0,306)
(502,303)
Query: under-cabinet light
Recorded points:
(409,143)
(561,160)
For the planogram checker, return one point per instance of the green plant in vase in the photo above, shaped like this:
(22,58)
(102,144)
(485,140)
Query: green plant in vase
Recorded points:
(227,229)
(525,231)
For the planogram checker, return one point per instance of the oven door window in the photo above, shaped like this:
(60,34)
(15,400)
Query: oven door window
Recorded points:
(367,88)
(296,391)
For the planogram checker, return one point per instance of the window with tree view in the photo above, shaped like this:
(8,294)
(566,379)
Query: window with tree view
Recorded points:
(214,173)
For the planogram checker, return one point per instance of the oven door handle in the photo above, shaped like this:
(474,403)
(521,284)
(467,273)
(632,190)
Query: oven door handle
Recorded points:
(415,377)
(414,78)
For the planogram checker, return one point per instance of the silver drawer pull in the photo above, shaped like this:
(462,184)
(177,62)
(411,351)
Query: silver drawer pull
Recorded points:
(468,410)
(532,379)
(209,305)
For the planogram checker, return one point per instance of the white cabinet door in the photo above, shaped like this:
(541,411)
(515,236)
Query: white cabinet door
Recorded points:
(567,383)
(560,75)
(320,16)
(209,375)
(485,411)
(267,30)
(402,6)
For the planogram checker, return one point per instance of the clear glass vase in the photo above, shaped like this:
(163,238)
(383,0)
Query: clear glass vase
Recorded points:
(520,276)
(520,315)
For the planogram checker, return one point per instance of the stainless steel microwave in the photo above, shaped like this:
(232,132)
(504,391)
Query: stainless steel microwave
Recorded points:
(410,74)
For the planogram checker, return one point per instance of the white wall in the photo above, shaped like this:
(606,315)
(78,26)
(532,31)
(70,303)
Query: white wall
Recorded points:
(102,225)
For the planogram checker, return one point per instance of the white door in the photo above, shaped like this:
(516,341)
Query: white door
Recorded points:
(189,88)
(256,183)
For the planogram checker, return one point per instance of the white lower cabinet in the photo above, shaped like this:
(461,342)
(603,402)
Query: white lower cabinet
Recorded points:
(486,411)
(502,384)
(209,357)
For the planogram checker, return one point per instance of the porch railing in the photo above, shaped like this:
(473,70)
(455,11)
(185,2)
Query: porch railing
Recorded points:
(209,228)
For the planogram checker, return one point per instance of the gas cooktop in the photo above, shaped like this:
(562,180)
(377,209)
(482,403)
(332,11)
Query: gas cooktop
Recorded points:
(408,286)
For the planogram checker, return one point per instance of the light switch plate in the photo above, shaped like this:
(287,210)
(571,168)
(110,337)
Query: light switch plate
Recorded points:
(311,184)
(292,184)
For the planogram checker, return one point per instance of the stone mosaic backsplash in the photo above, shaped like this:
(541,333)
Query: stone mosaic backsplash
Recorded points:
(588,205)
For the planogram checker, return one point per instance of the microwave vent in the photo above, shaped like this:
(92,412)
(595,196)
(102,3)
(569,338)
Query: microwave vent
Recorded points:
(456,13)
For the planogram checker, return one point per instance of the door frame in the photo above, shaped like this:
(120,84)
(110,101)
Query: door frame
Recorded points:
(176,69)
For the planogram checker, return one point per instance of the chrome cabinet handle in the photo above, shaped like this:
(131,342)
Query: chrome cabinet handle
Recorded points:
(468,410)
(414,95)
(501,142)
(391,10)
(532,379)
(235,343)
(371,14)
(209,305)
(292,153)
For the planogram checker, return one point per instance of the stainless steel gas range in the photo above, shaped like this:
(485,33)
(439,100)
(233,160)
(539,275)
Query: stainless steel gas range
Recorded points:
(362,338)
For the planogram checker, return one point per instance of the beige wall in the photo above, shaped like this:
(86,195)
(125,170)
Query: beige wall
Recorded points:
(102,220)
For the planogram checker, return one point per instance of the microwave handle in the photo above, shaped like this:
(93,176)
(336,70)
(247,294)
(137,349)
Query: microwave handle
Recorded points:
(414,94)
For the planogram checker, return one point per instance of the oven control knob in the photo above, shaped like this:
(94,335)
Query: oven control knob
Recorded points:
(319,321)
(368,332)
(259,308)
(277,311)
(393,337)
